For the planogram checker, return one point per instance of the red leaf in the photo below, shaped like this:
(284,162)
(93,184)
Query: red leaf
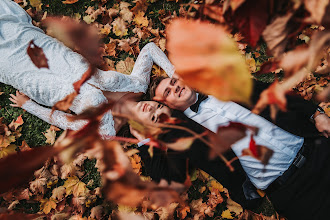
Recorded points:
(253,147)
(268,67)
(87,75)
(37,55)
(251,19)
(17,169)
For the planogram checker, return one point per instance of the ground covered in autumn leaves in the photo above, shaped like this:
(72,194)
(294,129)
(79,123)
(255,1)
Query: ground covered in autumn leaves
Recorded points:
(73,190)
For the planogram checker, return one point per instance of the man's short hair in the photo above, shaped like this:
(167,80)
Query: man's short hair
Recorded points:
(153,85)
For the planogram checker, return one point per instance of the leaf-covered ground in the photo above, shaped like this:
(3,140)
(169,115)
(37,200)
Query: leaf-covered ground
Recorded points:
(73,190)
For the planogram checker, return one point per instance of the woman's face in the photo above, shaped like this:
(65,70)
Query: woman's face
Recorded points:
(149,111)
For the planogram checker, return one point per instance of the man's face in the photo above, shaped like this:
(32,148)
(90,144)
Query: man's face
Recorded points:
(174,93)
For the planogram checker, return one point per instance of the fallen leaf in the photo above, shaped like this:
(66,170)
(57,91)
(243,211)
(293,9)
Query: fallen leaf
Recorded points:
(37,55)
(125,66)
(140,20)
(50,136)
(5,151)
(14,124)
(196,60)
(58,193)
(74,186)
(119,27)
(38,185)
(47,205)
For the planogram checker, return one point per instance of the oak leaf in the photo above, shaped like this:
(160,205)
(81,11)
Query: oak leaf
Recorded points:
(197,60)
(37,55)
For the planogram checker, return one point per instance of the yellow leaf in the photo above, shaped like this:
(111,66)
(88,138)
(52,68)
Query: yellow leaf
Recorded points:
(234,207)
(140,20)
(74,186)
(215,185)
(123,208)
(250,62)
(50,135)
(212,64)
(119,27)
(47,205)
(35,3)
(227,214)
(4,151)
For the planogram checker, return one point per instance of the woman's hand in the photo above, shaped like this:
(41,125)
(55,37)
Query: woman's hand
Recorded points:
(19,99)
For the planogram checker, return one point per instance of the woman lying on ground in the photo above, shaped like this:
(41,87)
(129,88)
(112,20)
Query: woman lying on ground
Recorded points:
(48,86)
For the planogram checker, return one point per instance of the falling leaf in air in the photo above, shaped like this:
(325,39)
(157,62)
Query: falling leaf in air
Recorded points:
(37,55)
(50,136)
(68,2)
(259,152)
(197,62)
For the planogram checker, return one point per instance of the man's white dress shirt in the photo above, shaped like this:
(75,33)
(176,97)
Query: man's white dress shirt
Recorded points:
(213,113)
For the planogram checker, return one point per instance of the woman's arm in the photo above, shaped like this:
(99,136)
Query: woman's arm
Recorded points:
(139,79)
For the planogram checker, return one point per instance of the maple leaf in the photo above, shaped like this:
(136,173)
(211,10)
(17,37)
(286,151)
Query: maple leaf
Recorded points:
(68,2)
(68,170)
(234,207)
(47,205)
(74,186)
(119,27)
(110,48)
(141,5)
(50,136)
(5,151)
(79,203)
(227,214)
(58,193)
(125,66)
(14,124)
(97,212)
(37,55)
(140,20)
(38,185)
(196,59)
(126,14)
(5,141)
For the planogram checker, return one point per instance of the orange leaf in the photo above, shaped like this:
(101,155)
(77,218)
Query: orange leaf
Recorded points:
(213,64)
(69,1)
(14,124)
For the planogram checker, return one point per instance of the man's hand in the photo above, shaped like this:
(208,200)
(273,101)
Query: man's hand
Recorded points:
(322,124)
(19,99)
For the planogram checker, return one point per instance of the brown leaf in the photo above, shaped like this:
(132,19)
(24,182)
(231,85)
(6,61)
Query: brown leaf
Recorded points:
(37,55)
(128,189)
(125,66)
(317,9)
(50,136)
(196,60)
(181,144)
(17,169)
(65,103)
(16,216)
